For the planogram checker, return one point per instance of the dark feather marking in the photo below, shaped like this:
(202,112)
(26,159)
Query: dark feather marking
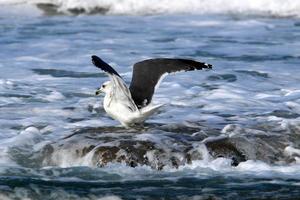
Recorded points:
(147,73)
(103,66)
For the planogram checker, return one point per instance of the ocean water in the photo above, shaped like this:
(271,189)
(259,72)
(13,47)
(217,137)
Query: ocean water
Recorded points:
(229,133)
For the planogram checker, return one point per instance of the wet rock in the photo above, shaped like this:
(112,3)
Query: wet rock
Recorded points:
(100,149)
(227,149)
(53,9)
(269,149)
(105,154)
(157,147)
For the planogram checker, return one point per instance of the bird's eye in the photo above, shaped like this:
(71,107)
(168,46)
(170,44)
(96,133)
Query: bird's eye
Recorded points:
(103,86)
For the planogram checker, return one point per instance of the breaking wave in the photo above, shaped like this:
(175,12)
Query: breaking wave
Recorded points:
(269,8)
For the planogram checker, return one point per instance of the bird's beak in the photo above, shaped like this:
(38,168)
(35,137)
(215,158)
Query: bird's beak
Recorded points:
(98,91)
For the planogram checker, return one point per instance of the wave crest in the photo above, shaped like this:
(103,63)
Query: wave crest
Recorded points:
(273,8)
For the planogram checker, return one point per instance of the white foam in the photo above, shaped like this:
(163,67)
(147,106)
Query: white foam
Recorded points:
(28,137)
(292,152)
(208,166)
(66,158)
(263,169)
(110,198)
(223,165)
(87,123)
(293,106)
(286,125)
(266,7)
(54,96)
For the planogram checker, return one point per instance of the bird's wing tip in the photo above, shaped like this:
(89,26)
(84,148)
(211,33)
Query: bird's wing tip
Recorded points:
(208,66)
(94,57)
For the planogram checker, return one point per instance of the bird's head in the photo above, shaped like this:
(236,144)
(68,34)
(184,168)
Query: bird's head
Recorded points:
(105,88)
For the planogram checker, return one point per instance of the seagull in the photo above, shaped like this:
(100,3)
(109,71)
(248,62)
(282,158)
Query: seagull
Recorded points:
(133,105)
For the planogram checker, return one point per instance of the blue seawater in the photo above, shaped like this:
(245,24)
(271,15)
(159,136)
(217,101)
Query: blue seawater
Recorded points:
(55,138)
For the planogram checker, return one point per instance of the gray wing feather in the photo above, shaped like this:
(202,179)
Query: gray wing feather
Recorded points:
(147,73)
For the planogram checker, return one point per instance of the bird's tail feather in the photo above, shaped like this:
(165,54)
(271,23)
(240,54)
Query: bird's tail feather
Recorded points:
(150,110)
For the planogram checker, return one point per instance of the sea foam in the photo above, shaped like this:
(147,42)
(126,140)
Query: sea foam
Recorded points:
(143,7)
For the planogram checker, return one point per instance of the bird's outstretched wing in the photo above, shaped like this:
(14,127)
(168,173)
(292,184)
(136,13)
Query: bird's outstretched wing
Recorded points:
(147,73)
(120,91)
(98,62)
